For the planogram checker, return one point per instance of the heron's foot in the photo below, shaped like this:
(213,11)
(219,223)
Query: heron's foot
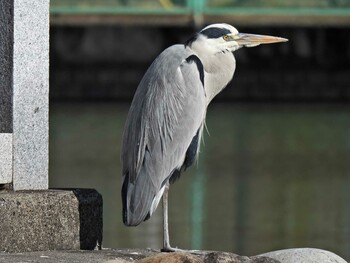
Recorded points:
(175,249)
(171,249)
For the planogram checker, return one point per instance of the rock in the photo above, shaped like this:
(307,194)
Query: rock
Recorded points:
(177,257)
(304,255)
(260,259)
(116,261)
(224,257)
(191,257)
(203,257)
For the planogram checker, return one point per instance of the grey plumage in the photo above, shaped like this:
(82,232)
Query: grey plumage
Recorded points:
(166,118)
(167,110)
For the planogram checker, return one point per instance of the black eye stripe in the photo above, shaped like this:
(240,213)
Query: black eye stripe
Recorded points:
(215,32)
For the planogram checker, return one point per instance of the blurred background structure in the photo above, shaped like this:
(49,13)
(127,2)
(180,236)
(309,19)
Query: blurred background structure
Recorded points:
(100,49)
(274,174)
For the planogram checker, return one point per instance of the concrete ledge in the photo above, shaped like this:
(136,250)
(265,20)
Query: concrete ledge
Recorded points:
(50,220)
(5,157)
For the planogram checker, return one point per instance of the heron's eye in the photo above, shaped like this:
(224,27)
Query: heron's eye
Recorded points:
(226,38)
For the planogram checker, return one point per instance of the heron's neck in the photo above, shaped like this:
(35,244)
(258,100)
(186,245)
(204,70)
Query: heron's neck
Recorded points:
(218,70)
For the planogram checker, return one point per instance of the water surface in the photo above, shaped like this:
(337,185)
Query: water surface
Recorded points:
(268,177)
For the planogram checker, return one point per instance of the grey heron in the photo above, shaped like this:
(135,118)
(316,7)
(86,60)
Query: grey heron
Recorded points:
(165,122)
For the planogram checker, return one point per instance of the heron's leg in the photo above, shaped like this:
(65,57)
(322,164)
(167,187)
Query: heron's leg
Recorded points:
(166,241)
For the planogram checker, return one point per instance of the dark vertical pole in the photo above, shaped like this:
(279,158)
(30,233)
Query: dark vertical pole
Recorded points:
(6,56)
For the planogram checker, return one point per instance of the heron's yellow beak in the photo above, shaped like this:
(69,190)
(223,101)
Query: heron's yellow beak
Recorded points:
(252,40)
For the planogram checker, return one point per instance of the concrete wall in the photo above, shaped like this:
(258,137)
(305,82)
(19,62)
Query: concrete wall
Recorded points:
(106,62)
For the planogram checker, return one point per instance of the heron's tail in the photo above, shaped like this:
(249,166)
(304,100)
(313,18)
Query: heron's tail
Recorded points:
(138,200)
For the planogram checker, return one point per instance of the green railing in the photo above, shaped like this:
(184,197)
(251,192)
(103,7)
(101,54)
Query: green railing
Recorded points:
(120,7)
(205,8)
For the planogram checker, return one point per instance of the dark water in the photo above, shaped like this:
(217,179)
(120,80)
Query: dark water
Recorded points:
(269,177)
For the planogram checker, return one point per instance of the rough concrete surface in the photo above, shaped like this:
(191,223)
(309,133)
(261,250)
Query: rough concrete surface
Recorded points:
(153,256)
(50,220)
(5,158)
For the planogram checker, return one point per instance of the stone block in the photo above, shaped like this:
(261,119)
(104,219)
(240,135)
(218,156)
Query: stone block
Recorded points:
(50,220)
(5,158)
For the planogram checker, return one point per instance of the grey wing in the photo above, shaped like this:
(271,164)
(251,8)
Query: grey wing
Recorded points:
(166,114)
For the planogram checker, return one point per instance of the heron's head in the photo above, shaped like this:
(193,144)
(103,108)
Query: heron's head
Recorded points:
(217,38)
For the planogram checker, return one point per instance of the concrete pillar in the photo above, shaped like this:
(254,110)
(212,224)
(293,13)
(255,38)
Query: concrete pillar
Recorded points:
(24,76)
(42,219)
